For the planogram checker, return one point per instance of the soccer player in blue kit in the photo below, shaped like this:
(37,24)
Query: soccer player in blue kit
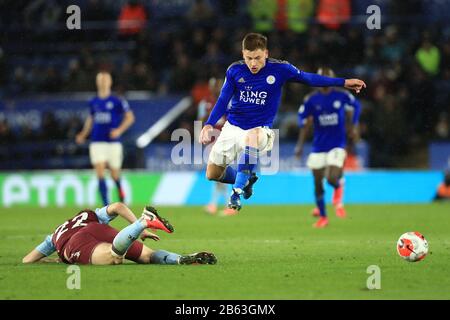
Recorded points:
(333,113)
(254,87)
(109,118)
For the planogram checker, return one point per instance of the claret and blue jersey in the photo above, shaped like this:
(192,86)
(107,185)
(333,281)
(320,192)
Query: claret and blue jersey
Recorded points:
(329,117)
(255,98)
(107,114)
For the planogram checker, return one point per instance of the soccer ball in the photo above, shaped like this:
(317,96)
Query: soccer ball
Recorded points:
(412,246)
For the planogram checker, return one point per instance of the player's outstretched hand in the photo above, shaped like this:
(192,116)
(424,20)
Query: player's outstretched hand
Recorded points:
(354,84)
(147,234)
(205,134)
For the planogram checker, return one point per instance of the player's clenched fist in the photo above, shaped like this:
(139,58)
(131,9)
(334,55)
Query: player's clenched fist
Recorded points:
(205,134)
(354,84)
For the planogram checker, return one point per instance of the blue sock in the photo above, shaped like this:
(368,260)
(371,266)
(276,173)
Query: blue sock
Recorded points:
(321,205)
(247,164)
(126,236)
(164,257)
(103,191)
(229,176)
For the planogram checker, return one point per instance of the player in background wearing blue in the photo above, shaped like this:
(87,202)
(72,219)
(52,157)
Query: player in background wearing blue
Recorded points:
(109,118)
(254,87)
(334,114)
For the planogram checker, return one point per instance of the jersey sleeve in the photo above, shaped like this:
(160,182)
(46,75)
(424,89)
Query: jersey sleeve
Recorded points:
(352,104)
(103,216)
(220,108)
(124,105)
(46,247)
(292,73)
(91,107)
(304,112)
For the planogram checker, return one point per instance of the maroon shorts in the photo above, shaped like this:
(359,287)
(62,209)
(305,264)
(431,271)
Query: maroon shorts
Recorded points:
(81,245)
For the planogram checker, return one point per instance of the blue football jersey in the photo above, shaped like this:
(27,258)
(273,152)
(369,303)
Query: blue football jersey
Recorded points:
(255,98)
(329,117)
(107,114)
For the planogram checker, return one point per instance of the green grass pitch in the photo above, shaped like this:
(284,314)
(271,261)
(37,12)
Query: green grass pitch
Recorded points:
(265,252)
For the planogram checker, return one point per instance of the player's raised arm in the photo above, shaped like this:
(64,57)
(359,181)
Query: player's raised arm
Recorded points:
(317,80)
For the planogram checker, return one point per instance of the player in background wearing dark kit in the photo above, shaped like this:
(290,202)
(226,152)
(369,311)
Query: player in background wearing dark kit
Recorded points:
(88,239)
(109,118)
(254,87)
(334,114)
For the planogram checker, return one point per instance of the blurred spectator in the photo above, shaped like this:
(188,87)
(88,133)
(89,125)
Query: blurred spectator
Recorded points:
(229,8)
(299,14)
(2,69)
(200,13)
(96,10)
(96,14)
(71,128)
(143,78)
(7,137)
(52,80)
(182,76)
(442,129)
(77,78)
(213,55)
(355,41)
(198,44)
(428,56)
(263,14)
(132,19)
(421,112)
(393,48)
(19,83)
(294,15)
(43,13)
(387,132)
(333,13)
(50,128)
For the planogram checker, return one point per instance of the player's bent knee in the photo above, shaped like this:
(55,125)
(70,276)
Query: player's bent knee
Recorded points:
(214,172)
